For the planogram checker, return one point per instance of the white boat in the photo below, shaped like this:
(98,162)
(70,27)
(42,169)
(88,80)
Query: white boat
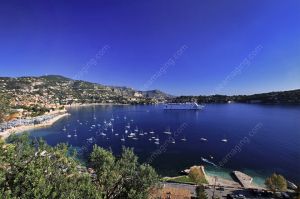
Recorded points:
(75,134)
(116,134)
(157,142)
(123,139)
(224,140)
(173,141)
(69,135)
(103,134)
(128,126)
(64,129)
(126,131)
(132,134)
(90,139)
(168,132)
(136,129)
(203,139)
(156,139)
(151,132)
(183,139)
(183,106)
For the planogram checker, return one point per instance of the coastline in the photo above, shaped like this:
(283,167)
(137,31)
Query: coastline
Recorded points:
(20,129)
(93,104)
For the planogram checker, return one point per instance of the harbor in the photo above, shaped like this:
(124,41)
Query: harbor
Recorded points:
(22,125)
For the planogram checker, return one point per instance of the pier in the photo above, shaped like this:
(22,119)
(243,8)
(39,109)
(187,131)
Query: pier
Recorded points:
(243,179)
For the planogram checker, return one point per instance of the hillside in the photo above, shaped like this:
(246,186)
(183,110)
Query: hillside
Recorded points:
(53,90)
(281,97)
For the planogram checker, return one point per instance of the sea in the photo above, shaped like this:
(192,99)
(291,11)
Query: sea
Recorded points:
(255,139)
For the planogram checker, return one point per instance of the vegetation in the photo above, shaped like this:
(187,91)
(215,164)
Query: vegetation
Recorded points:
(55,89)
(194,177)
(286,97)
(180,179)
(124,177)
(197,176)
(32,169)
(276,183)
(200,192)
(4,107)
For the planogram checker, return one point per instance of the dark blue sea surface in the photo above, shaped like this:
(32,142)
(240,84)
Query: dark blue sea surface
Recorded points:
(261,139)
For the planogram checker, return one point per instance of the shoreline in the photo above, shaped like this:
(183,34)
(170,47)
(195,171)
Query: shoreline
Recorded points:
(94,104)
(20,129)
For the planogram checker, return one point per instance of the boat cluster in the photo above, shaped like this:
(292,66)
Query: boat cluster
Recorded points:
(131,131)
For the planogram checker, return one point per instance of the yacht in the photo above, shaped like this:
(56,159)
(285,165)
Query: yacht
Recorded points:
(183,139)
(136,129)
(75,134)
(168,132)
(224,140)
(183,106)
(203,139)
(123,139)
(128,126)
(103,134)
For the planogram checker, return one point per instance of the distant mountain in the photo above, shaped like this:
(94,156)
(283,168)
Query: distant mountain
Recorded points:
(156,94)
(280,97)
(56,89)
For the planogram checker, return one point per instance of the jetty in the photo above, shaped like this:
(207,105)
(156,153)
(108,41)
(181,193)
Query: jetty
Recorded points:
(243,179)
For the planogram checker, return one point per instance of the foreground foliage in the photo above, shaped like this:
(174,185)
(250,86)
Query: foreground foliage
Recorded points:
(4,107)
(276,183)
(32,169)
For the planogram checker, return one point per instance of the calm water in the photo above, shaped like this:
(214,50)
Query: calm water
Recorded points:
(267,136)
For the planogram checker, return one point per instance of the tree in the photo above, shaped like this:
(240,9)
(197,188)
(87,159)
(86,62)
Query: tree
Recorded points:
(200,192)
(29,168)
(32,169)
(4,107)
(123,177)
(276,183)
(196,175)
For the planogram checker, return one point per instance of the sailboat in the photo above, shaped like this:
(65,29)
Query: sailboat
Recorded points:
(156,139)
(112,118)
(75,134)
(224,140)
(69,135)
(123,139)
(168,132)
(136,129)
(183,139)
(203,139)
(64,129)
(151,132)
(173,141)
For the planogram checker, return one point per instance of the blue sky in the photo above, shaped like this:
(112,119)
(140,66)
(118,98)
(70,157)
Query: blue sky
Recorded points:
(61,37)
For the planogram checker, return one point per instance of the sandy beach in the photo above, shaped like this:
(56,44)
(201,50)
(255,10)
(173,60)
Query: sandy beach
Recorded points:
(21,129)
